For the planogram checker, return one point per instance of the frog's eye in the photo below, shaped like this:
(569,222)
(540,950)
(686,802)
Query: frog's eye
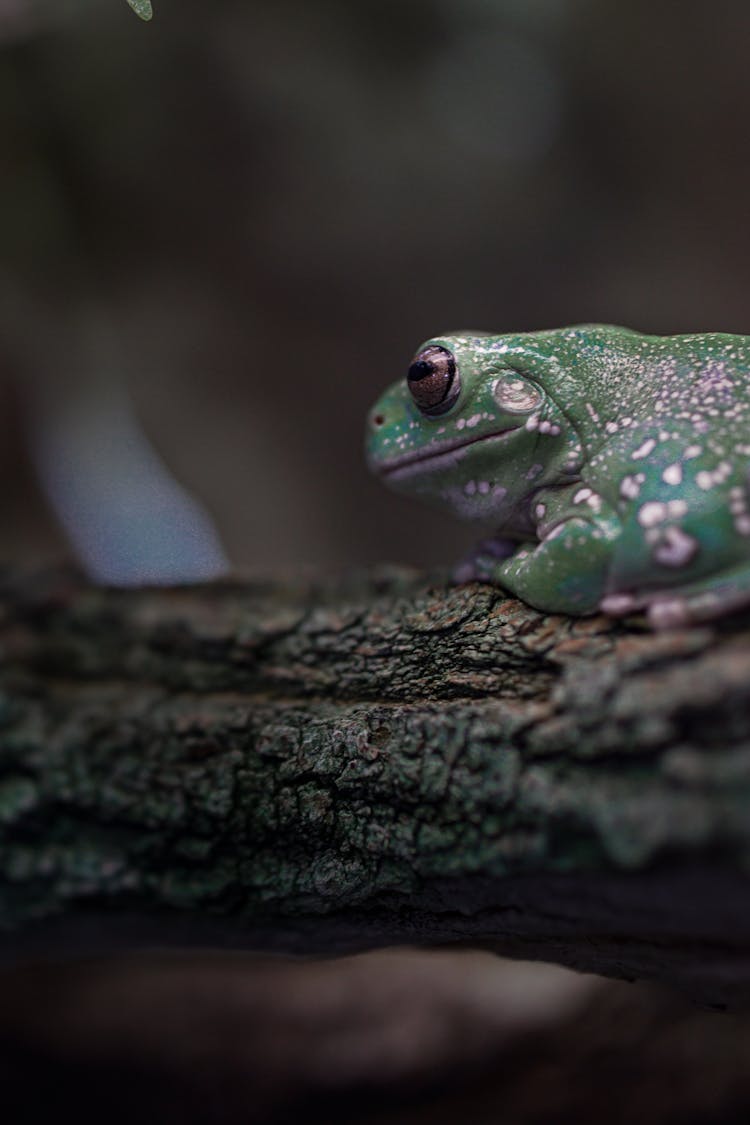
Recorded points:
(433,380)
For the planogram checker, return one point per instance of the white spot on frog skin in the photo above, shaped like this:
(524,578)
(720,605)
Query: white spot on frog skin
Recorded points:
(676,548)
(499,492)
(532,422)
(483,487)
(592,413)
(470,487)
(672,474)
(581,495)
(643,450)
(611,427)
(534,471)
(630,487)
(737,502)
(460,423)
(742,524)
(707,480)
(652,513)
(540,511)
(473,421)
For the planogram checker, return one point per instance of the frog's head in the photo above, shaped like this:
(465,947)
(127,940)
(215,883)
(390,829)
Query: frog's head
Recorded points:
(470,427)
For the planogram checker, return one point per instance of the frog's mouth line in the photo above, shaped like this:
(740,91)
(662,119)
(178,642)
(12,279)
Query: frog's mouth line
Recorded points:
(419,458)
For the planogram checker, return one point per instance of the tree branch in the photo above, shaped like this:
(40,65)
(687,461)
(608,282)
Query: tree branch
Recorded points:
(369,762)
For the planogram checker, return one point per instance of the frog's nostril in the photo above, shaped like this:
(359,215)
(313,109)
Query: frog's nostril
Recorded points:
(378,420)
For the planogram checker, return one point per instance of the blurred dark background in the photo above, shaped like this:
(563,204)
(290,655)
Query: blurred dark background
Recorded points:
(250,212)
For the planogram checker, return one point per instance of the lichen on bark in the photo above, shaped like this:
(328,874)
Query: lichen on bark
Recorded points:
(318,767)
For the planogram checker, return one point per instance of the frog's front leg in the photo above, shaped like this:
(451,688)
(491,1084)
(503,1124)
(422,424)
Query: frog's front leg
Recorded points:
(568,569)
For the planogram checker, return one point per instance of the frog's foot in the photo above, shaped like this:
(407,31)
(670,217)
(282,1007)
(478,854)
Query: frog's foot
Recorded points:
(713,597)
(620,605)
(480,564)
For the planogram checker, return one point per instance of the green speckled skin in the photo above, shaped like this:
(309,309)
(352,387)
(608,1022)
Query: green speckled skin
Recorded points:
(613,467)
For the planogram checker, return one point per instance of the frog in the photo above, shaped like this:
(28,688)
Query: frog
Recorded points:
(611,467)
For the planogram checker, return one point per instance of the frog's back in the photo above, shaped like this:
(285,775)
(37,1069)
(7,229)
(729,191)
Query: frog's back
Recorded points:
(610,379)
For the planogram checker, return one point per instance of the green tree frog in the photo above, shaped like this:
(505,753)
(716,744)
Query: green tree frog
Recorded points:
(612,466)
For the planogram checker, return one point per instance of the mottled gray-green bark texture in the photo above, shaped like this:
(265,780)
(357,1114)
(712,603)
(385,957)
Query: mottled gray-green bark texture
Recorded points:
(323,768)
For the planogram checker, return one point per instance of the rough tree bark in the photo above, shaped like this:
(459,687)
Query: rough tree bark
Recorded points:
(325,768)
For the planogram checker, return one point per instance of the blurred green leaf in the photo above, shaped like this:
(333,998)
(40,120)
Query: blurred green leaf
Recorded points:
(142,8)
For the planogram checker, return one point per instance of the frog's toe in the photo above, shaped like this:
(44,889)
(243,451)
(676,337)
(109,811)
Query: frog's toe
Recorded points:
(480,564)
(713,597)
(475,568)
(664,610)
(466,571)
(694,608)
(669,613)
(618,605)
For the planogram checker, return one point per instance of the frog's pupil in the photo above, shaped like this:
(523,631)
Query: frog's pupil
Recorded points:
(420,369)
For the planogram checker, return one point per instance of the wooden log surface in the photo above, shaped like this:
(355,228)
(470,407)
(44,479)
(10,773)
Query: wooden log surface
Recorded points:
(325,767)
